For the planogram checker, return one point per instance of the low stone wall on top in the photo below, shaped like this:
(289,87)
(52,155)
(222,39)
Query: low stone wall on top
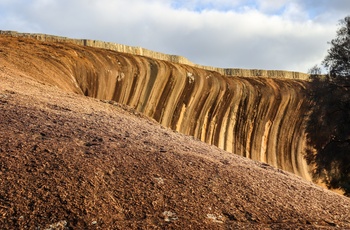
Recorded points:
(161,56)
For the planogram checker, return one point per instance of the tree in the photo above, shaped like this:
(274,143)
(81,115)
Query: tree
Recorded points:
(315,70)
(328,128)
(338,58)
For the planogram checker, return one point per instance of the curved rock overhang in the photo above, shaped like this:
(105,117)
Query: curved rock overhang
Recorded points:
(260,117)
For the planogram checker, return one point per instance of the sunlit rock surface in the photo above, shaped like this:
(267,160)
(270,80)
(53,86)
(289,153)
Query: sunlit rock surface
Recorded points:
(260,115)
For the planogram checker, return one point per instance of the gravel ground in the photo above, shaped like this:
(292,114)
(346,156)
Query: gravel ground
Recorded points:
(72,162)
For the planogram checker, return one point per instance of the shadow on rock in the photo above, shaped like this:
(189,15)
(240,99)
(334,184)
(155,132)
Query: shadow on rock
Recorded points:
(328,132)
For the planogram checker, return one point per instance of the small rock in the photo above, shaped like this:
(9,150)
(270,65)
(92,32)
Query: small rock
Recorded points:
(169,216)
(215,219)
(61,225)
(159,180)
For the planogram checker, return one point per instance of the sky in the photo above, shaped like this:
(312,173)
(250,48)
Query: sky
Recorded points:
(254,34)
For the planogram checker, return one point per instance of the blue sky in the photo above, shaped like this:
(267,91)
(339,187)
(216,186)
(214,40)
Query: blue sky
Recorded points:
(224,6)
(263,34)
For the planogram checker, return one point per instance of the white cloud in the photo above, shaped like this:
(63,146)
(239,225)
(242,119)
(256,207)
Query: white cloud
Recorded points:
(268,34)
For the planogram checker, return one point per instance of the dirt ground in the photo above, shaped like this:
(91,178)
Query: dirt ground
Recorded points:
(73,162)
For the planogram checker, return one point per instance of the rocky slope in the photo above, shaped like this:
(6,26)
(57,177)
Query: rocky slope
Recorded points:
(74,162)
(259,118)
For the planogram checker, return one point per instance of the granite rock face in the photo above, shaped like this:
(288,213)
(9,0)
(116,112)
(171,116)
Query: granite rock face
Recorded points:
(161,56)
(257,114)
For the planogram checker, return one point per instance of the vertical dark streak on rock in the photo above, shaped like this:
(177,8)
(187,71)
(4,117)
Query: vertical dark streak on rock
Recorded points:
(258,117)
